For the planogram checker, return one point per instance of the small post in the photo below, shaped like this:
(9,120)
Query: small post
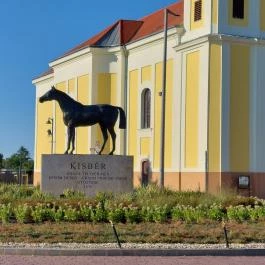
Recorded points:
(225,233)
(20,169)
(116,234)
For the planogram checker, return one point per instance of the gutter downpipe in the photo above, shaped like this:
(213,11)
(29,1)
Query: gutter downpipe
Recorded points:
(125,54)
(206,176)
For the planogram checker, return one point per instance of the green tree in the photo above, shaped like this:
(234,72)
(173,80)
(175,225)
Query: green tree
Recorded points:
(1,161)
(21,159)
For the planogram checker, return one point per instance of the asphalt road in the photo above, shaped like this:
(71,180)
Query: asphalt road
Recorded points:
(122,260)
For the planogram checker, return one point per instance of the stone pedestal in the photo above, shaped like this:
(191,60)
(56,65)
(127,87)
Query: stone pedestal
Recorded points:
(86,173)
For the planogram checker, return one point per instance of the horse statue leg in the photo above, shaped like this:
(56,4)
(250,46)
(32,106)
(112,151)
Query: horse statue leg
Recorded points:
(113,137)
(105,137)
(73,140)
(68,139)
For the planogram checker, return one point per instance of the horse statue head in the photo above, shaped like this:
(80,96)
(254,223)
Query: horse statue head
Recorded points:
(49,95)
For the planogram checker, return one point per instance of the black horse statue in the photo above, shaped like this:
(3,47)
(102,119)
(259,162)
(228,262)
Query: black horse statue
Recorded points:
(76,114)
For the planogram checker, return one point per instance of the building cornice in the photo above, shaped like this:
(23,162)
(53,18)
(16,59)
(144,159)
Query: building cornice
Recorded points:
(219,38)
(70,57)
(236,38)
(188,44)
(175,31)
(106,50)
(42,79)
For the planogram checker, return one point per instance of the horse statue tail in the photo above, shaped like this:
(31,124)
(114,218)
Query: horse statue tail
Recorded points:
(122,124)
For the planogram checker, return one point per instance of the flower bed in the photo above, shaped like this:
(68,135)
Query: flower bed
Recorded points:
(29,205)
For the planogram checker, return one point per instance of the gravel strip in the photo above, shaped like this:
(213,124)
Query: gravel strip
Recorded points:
(131,246)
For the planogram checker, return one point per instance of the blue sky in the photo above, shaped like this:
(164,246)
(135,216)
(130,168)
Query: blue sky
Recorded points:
(32,34)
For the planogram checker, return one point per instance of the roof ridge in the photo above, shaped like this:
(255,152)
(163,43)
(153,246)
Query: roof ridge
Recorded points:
(87,43)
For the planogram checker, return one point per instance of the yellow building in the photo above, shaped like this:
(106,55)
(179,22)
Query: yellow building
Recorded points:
(215,115)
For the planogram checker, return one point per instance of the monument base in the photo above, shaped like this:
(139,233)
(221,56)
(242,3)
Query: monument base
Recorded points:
(86,173)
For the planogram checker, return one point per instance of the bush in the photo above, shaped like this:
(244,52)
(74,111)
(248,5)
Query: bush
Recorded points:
(41,212)
(177,213)
(201,213)
(5,213)
(70,193)
(86,213)
(215,213)
(147,214)
(22,213)
(99,214)
(71,214)
(254,213)
(243,213)
(116,215)
(161,214)
(238,213)
(192,215)
(133,214)
(260,212)
(188,214)
(39,195)
(57,214)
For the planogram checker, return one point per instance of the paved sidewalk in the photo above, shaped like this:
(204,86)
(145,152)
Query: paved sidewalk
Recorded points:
(92,260)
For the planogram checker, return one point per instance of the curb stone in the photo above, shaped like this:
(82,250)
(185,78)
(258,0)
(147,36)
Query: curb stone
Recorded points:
(129,252)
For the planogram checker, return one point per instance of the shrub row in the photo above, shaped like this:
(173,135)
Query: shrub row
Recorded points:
(118,213)
(150,195)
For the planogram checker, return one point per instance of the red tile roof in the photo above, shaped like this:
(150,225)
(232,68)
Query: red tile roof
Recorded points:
(128,28)
(133,30)
(48,72)
(154,23)
(90,42)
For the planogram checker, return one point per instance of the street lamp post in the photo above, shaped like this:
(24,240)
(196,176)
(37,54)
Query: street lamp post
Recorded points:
(50,131)
(163,109)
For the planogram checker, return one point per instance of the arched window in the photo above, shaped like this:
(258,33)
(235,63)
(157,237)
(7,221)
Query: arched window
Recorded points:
(146,108)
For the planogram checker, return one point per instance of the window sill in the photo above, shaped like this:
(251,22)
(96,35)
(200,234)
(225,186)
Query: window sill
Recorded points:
(147,132)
